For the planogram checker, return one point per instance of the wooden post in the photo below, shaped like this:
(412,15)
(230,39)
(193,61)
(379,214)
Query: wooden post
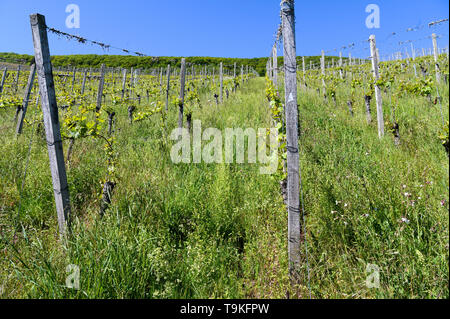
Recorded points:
(2,84)
(275,66)
(16,86)
(131,77)
(234,74)
(28,89)
(101,83)
(246,72)
(124,82)
(83,85)
(288,24)
(221,82)
(73,77)
(340,65)
(168,88)
(136,77)
(322,67)
(51,120)
(436,56)
(271,67)
(182,83)
(90,75)
(304,71)
(242,74)
(378,98)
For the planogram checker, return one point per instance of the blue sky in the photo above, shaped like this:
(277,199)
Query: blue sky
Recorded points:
(227,28)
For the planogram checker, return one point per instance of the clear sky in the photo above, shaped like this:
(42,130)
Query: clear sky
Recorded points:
(225,28)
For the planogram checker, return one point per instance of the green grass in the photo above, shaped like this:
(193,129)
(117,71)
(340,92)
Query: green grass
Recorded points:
(348,173)
(220,230)
(173,231)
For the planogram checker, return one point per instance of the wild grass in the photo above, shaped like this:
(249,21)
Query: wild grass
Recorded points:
(220,230)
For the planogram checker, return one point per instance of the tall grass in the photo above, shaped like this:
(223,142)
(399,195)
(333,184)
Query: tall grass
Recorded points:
(219,230)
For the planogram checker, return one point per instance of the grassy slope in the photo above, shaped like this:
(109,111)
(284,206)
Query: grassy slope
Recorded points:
(184,231)
(348,173)
(220,230)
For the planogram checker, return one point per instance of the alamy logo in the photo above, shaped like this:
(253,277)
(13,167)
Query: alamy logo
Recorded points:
(73,19)
(212,151)
(373,277)
(73,279)
(373,20)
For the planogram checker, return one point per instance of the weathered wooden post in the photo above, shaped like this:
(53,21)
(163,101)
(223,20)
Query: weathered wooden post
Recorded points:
(221,82)
(136,76)
(131,77)
(378,98)
(271,73)
(340,65)
(2,84)
(83,85)
(246,72)
(182,83)
(304,71)
(436,56)
(275,66)
(74,70)
(413,52)
(124,82)
(51,121)
(288,24)
(322,67)
(90,75)
(168,88)
(101,84)
(16,85)
(23,110)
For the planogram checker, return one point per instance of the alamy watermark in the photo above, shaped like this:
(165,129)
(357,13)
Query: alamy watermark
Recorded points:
(373,20)
(373,277)
(73,19)
(213,151)
(73,279)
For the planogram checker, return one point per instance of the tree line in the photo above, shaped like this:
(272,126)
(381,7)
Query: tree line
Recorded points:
(128,61)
